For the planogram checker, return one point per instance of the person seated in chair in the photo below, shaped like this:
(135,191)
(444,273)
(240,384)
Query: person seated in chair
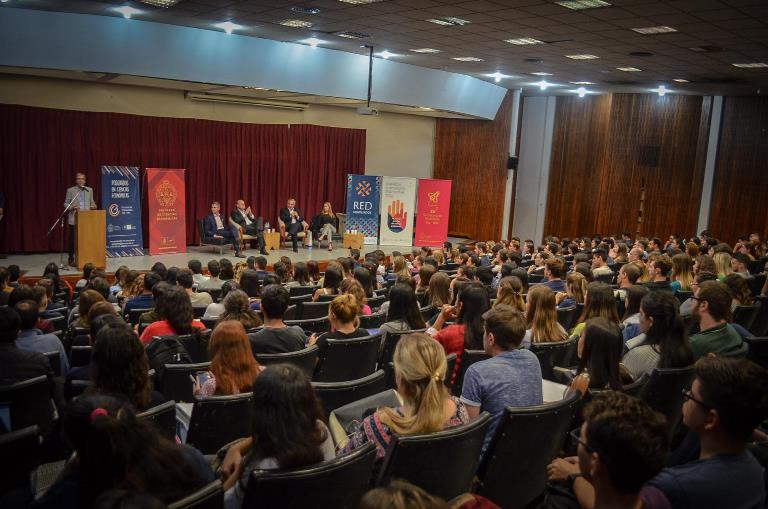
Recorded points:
(214,226)
(276,336)
(249,224)
(294,222)
(324,225)
(712,311)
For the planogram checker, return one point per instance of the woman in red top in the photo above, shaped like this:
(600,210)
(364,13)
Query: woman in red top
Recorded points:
(176,317)
(467,332)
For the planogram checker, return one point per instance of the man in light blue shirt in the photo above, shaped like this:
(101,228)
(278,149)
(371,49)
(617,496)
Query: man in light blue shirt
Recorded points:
(33,340)
(511,377)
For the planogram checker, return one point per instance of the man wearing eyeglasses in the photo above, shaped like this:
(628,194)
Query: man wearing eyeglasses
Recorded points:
(686,308)
(712,311)
(727,401)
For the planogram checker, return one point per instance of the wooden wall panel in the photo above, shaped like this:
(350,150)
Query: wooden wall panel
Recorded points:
(598,171)
(473,154)
(740,190)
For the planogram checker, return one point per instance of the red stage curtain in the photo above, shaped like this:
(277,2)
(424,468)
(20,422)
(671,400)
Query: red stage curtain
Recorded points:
(265,164)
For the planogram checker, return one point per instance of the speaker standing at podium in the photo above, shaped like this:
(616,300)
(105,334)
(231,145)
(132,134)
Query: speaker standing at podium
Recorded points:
(83,200)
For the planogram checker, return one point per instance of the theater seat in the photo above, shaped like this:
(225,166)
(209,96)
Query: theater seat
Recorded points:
(334,395)
(163,417)
(663,392)
(304,359)
(219,420)
(30,403)
(210,496)
(348,359)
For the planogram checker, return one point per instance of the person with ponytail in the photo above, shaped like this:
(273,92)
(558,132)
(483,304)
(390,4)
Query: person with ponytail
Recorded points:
(343,314)
(115,450)
(541,315)
(664,339)
(575,289)
(420,368)
(510,293)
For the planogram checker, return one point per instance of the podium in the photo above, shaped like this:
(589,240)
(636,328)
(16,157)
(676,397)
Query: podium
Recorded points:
(91,238)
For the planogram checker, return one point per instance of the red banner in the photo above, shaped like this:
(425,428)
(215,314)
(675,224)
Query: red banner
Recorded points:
(167,222)
(434,204)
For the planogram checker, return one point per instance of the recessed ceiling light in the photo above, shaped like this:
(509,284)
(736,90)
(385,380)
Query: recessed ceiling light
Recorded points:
(661,90)
(540,73)
(425,50)
(312,41)
(360,2)
(228,26)
(578,5)
(296,23)
(581,91)
(449,21)
(581,83)
(753,65)
(542,84)
(628,69)
(127,11)
(300,9)
(161,3)
(654,30)
(468,59)
(582,57)
(524,41)
(680,80)
(352,35)
(496,76)
(386,54)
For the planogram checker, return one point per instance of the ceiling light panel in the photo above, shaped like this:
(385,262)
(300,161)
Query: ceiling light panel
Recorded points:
(360,2)
(449,21)
(296,23)
(468,59)
(425,50)
(524,41)
(628,69)
(160,3)
(580,5)
(752,65)
(581,82)
(582,57)
(541,73)
(352,35)
(654,30)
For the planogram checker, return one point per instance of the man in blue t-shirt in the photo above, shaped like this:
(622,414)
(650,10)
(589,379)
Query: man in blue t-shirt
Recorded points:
(727,401)
(511,377)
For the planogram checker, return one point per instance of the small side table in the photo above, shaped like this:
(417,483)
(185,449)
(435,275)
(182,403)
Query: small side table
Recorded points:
(353,241)
(272,240)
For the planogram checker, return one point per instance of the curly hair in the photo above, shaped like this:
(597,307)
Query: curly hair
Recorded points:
(120,365)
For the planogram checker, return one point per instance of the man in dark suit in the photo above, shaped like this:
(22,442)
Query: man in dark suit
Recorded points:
(215,227)
(249,224)
(79,197)
(294,222)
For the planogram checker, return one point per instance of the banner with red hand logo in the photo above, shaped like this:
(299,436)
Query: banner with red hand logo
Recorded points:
(167,220)
(434,205)
(398,206)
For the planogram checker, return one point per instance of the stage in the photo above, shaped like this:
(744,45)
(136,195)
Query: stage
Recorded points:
(32,265)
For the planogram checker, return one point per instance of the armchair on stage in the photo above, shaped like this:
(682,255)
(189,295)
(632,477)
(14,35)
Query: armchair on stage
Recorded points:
(284,236)
(210,241)
(337,237)
(245,238)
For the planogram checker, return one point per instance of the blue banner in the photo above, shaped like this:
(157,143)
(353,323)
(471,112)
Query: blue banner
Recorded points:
(363,205)
(122,200)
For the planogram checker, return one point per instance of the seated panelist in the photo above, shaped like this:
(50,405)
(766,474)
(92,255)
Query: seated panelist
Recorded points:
(249,224)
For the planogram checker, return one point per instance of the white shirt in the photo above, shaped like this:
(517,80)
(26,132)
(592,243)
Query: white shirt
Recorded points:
(293,219)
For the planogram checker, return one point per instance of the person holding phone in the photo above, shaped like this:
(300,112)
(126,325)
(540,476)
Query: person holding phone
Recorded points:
(233,367)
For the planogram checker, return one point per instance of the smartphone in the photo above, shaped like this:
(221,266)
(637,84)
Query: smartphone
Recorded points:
(200,377)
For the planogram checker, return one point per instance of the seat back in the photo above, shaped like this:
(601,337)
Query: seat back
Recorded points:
(337,483)
(468,358)
(760,324)
(756,283)
(198,311)
(535,433)
(314,310)
(535,278)
(388,350)
(741,351)
(758,350)
(683,295)
(215,294)
(327,298)
(218,420)
(163,417)
(135,314)
(210,323)
(59,323)
(636,387)
(450,361)
(552,354)
(176,384)
(337,394)
(210,496)
(30,403)
(442,463)
(605,278)
(567,316)
(663,392)
(20,451)
(318,325)
(373,321)
(80,355)
(307,297)
(201,231)
(295,291)
(196,345)
(427,312)
(292,312)
(745,315)
(376,301)
(305,359)
(54,358)
(348,359)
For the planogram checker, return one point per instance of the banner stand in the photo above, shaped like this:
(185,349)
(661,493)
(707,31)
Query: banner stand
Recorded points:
(363,206)
(167,211)
(121,192)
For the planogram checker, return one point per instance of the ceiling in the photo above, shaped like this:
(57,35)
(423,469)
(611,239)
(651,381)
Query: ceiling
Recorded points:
(721,33)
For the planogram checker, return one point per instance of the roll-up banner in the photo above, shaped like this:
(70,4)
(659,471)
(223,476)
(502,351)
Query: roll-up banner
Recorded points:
(121,193)
(167,221)
(398,205)
(363,205)
(433,207)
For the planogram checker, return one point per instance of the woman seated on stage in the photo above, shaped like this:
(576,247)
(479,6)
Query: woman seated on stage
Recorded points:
(324,225)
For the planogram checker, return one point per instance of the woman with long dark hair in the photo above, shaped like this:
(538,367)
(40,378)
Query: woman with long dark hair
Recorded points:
(300,274)
(598,301)
(115,450)
(599,351)
(313,272)
(363,276)
(403,311)
(51,272)
(288,431)
(331,282)
(664,342)
(467,332)
(631,318)
(176,316)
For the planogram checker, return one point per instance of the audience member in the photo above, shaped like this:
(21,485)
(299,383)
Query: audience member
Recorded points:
(343,315)
(554,269)
(403,311)
(627,276)
(276,336)
(144,300)
(17,364)
(233,366)
(712,311)
(213,282)
(737,285)
(40,296)
(29,338)
(331,281)
(197,272)
(541,317)
(686,308)
(599,264)
(185,279)
(631,319)
(575,290)
(510,378)
(510,293)
(599,352)
(598,301)
(176,316)
(723,266)
(401,495)
(740,265)
(659,267)
(682,273)
(237,307)
(353,288)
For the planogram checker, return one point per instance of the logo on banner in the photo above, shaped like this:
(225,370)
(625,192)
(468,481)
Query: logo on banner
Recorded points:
(364,188)
(166,194)
(114,210)
(433,197)
(397,217)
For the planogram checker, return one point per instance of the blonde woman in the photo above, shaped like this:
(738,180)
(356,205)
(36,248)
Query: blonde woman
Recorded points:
(510,293)
(682,273)
(575,290)
(541,315)
(399,267)
(324,225)
(439,257)
(645,276)
(240,267)
(722,264)
(420,368)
